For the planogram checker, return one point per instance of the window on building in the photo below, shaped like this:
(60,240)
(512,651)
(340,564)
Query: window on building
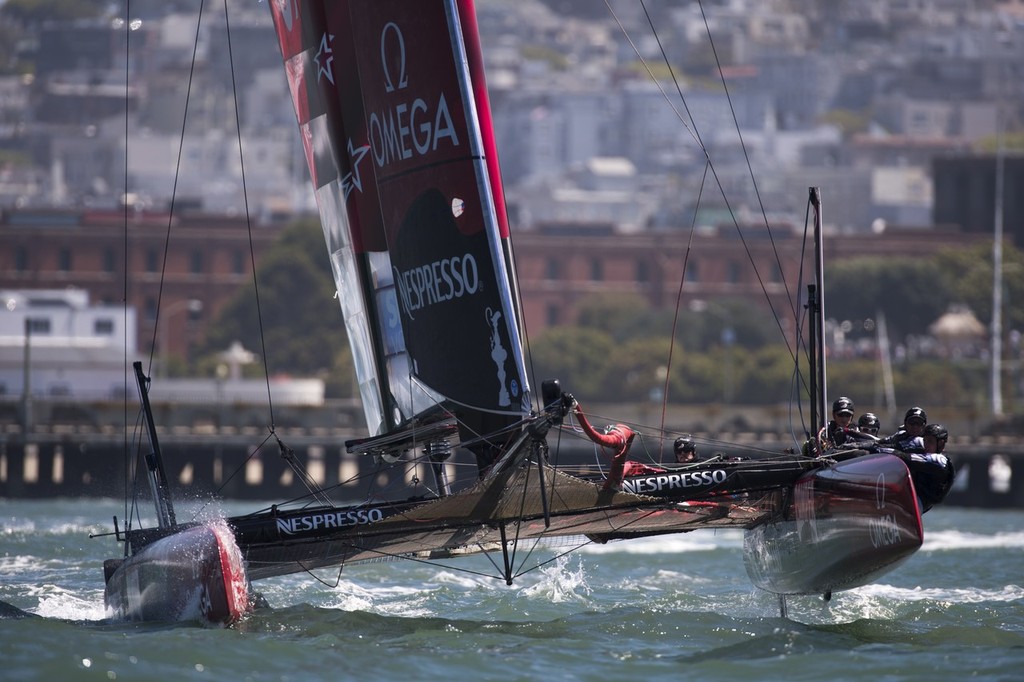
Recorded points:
(596,269)
(642,272)
(104,326)
(64,259)
(152,260)
(553,269)
(150,309)
(21,259)
(732,272)
(196,262)
(553,314)
(238,262)
(109,260)
(38,325)
(692,272)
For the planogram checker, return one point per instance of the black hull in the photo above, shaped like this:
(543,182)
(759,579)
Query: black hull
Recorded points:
(195,574)
(844,527)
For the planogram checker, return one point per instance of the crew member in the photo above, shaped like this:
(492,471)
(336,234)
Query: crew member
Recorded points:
(685,450)
(836,433)
(909,436)
(868,423)
(932,471)
(935,438)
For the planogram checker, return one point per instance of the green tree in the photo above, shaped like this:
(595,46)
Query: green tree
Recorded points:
(912,293)
(621,316)
(768,377)
(969,273)
(575,356)
(738,322)
(634,369)
(300,321)
(934,383)
(861,380)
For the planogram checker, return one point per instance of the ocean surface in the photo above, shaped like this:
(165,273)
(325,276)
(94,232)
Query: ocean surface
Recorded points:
(677,607)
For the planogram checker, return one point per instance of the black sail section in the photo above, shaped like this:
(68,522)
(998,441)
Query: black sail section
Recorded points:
(449,307)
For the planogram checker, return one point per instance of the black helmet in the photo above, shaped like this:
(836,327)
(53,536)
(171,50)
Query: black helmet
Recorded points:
(868,421)
(842,405)
(937,430)
(915,413)
(684,444)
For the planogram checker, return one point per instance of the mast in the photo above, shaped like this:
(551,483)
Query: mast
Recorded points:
(813,308)
(154,460)
(818,321)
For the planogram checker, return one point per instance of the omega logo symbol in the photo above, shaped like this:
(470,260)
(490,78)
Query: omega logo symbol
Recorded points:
(880,492)
(391,28)
(405,125)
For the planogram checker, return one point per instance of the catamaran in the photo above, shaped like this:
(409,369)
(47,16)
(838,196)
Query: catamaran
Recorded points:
(394,118)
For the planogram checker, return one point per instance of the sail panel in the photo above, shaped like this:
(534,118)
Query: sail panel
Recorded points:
(387,111)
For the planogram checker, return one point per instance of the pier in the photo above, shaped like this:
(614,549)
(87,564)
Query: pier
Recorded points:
(77,449)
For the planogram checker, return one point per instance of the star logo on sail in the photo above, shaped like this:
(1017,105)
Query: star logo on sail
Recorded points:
(353,179)
(324,58)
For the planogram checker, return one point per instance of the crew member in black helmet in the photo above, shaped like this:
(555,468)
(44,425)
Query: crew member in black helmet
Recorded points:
(868,423)
(935,438)
(909,436)
(835,434)
(933,473)
(686,450)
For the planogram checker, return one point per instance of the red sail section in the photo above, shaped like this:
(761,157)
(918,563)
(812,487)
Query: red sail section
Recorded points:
(407,183)
(474,54)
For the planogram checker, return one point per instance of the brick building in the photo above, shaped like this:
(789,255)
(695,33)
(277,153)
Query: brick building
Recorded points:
(208,258)
(558,266)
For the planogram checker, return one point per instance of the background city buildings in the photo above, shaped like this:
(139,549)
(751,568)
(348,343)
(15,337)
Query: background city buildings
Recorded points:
(895,108)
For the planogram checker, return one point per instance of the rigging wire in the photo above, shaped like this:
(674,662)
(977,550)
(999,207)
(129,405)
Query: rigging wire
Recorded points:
(692,129)
(746,156)
(248,218)
(126,452)
(709,166)
(174,192)
(679,302)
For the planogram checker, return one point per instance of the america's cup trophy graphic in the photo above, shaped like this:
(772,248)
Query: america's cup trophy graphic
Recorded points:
(498,354)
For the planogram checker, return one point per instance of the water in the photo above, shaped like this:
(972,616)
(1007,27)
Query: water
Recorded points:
(679,607)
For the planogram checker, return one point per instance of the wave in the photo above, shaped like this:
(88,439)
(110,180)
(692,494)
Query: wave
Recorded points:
(947,595)
(701,541)
(945,540)
(69,605)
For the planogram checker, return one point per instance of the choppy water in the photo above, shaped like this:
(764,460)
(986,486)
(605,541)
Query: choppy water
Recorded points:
(669,608)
